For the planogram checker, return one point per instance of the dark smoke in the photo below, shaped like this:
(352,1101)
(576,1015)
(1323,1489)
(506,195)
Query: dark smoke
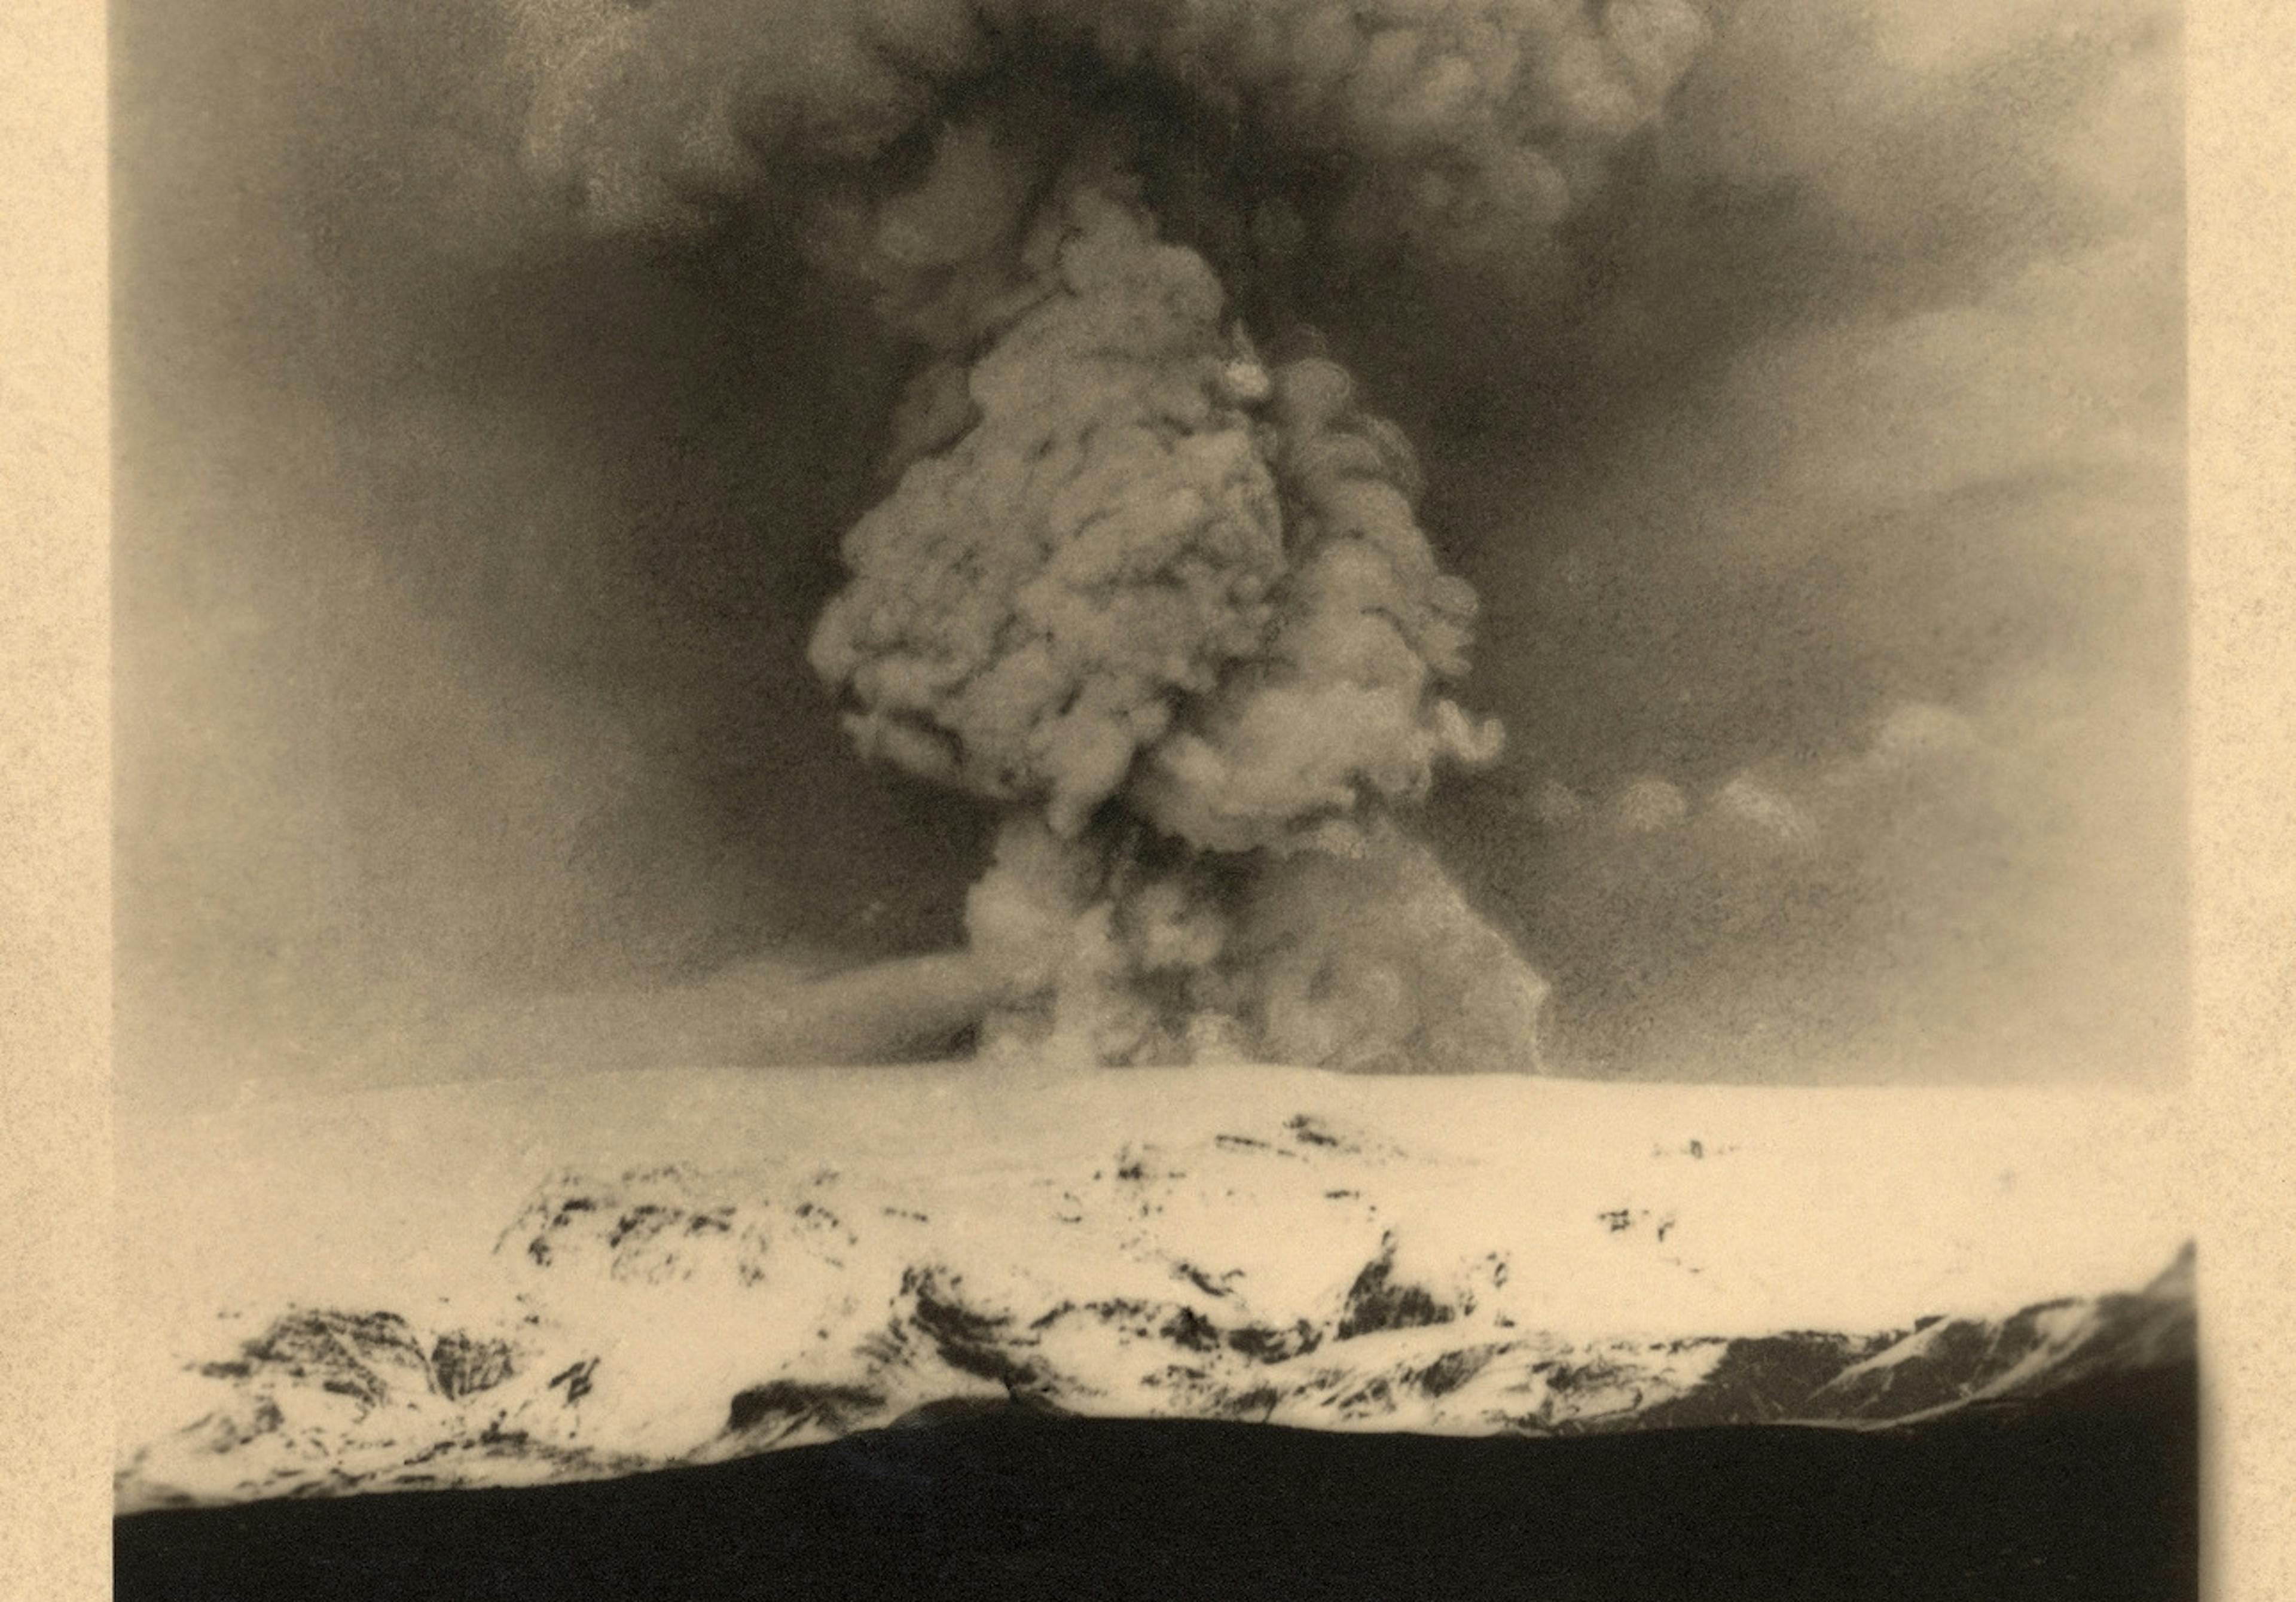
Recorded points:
(468,562)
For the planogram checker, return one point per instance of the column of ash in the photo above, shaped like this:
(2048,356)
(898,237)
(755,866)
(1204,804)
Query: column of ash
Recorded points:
(1172,605)
(1165,600)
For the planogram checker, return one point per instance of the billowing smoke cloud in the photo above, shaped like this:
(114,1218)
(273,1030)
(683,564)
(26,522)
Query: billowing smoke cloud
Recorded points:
(1774,373)
(1469,124)
(1133,580)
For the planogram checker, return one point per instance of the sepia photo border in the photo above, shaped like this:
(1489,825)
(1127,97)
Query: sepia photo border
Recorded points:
(55,1291)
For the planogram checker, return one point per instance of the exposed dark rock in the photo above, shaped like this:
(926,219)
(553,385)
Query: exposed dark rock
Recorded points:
(461,1366)
(1763,1381)
(1267,1345)
(346,1354)
(1375,1303)
(577,1379)
(970,1342)
(788,1404)
(1203,1281)
(1453,1369)
(1190,1330)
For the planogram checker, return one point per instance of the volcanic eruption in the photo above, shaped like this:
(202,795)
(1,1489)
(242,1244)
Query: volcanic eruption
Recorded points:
(1147,572)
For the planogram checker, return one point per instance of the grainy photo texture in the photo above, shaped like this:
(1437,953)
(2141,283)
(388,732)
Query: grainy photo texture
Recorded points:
(1451,719)
(612,493)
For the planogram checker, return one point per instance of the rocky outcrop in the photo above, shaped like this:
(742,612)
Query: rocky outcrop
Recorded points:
(1306,1270)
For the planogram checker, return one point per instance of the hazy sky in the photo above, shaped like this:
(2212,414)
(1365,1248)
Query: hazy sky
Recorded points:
(1825,496)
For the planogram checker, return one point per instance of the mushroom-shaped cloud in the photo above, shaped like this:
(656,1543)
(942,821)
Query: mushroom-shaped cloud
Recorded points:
(1170,604)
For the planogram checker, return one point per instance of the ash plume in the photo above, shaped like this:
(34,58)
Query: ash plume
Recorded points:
(1471,124)
(1165,598)
(476,511)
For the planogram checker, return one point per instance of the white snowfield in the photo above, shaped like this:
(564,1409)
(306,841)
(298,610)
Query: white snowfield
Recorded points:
(512,1281)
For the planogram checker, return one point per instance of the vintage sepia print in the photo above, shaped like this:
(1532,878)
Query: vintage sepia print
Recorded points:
(1151,798)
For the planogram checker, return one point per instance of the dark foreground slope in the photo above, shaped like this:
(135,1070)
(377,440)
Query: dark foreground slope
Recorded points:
(2088,1494)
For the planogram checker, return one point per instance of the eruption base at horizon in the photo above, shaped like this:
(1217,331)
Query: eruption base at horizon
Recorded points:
(1366,961)
(1173,607)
